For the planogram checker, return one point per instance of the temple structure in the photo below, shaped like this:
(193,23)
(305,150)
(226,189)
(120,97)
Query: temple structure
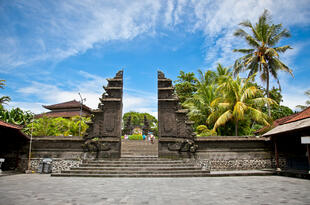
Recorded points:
(66,110)
(175,132)
(103,136)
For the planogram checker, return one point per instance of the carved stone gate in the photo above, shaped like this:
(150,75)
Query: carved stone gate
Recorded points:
(103,137)
(175,132)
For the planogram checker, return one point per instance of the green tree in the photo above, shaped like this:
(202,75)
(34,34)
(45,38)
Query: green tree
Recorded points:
(185,85)
(263,56)
(58,126)
(302,107)
(199,104)
(137,118)
(3,99)
(238,101)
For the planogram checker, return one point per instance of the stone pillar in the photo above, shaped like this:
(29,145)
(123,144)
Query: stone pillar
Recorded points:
(176,137)
(103,136)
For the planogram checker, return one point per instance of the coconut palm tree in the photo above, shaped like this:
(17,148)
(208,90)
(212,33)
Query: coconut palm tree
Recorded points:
(199,103)
(238,101)
(263,56)
(302,107)
(3,99)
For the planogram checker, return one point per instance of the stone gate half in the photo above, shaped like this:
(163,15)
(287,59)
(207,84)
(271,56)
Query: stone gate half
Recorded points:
(176,137)
(103,137)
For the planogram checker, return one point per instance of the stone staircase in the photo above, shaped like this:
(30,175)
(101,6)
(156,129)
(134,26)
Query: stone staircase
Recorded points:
(139,148)
(135,167)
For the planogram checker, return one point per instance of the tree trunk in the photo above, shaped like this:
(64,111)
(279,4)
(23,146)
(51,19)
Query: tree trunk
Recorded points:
(236,128)
(267,91)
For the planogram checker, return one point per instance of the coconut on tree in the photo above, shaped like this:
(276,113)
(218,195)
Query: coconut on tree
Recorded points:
(263,55)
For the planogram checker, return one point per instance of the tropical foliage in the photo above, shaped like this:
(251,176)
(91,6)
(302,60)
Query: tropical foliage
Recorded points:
(238,101)
(302,107)
(3,99)
(58,126)
(263,56)
(137,118)
(185,85)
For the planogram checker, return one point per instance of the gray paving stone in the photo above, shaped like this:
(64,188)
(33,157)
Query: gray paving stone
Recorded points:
(43,189)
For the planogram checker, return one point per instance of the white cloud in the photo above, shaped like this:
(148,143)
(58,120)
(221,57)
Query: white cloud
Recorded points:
(60,29)
(139,101)
(90,88)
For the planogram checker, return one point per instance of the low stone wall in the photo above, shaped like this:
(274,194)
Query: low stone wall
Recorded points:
(236,153)
(218,153)
(58,164)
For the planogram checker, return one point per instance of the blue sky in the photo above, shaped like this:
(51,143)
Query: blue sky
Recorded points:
(51,50)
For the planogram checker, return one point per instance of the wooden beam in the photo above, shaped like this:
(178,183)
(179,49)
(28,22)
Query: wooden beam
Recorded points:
(276,154)
(308,151)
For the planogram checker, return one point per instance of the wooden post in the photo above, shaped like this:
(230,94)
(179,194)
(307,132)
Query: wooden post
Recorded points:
(276,154)
(308,150)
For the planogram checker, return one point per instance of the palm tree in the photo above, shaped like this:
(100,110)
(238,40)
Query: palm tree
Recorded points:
(238,101)
(185,85)
(200,103)
(3,99)
(263,56)
(302,107)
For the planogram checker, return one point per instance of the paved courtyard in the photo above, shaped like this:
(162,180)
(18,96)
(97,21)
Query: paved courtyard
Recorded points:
(42,189)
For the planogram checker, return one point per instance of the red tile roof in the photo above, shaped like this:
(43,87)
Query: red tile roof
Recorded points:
(16,128)
(288,119)
(69,104)
(302,115)
(9,125)
(61,114)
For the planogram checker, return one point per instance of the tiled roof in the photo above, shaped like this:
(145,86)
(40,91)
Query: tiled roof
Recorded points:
(9,125)
(293,122)
(302,115)
(61,114)
(277,122)
(69,104)
(16,128)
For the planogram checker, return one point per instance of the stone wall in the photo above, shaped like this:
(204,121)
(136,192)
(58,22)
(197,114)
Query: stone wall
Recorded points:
(58,164)
(236,153)
(64,151)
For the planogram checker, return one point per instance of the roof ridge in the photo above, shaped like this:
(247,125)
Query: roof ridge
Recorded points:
(10,125)
(300,116)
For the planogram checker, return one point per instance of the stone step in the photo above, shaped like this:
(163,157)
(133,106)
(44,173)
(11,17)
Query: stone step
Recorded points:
(138,165)
(133,159)
(136,162)
(131,175)
(135,172)
(137,168)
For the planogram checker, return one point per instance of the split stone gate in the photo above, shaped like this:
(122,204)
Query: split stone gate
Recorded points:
(175,133)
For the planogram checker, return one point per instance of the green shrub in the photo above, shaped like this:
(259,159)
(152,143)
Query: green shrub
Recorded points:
(135,137)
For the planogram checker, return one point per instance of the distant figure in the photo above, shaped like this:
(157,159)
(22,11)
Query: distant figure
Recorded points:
(152,139)
(126,137)
(143,136)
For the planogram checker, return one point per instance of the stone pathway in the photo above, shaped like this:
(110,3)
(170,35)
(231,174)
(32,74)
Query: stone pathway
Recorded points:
(42,189)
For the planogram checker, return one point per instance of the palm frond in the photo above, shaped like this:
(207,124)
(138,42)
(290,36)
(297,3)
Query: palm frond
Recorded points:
(271,52)
(239,110)
(258,116)
(275,39)
(225,117)
(282,49)
(249,93)
(246,51)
